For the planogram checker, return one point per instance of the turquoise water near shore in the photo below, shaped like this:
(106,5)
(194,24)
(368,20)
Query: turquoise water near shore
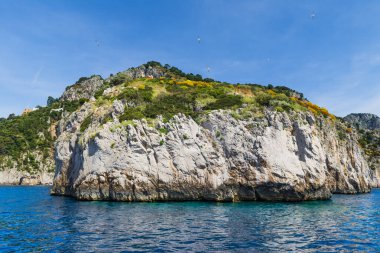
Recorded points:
(32,220)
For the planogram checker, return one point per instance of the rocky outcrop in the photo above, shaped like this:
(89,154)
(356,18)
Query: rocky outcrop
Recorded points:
(364,120)
(85,89)
(39,179)
(16,177)
(376,178)
(277,156)
(369,129)
(145,71)
(14,173)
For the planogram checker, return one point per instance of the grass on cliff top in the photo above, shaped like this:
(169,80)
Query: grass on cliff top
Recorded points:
(147,98)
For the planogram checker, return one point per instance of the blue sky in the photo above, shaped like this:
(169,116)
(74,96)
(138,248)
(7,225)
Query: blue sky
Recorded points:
(329,50)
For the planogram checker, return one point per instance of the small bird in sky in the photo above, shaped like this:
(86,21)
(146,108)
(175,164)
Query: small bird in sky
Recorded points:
(312,15)
(97,43)
(208,69)
(199,40)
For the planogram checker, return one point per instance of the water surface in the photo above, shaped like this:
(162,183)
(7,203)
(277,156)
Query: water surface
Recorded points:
(32,220)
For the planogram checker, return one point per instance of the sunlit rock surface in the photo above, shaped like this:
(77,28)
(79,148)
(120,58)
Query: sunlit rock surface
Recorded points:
(278,156)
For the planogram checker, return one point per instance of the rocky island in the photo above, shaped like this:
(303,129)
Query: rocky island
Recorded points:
(154,133)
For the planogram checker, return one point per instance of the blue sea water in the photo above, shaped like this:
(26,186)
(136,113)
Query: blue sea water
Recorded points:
(32,220)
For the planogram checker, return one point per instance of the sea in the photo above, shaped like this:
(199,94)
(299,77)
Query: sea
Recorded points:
(33,221)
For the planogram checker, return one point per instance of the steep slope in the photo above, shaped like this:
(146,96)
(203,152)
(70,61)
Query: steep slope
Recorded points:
(274,157)
(365,121)
(84,88)
(27,141)
(368,126)
(155,133)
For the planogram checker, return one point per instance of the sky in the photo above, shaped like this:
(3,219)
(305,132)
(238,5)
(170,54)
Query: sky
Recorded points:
(329,50)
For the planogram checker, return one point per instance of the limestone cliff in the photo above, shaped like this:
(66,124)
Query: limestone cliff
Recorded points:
(83,89)
(144,71)
(41,174)
(364,120)
(368,126)
(17,177)
(275,156)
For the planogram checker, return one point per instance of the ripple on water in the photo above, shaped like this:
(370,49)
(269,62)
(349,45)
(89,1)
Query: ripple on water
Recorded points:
(31,220)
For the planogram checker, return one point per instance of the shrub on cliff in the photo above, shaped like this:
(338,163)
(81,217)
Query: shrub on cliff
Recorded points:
(86,123)
(263,99)
(118,79)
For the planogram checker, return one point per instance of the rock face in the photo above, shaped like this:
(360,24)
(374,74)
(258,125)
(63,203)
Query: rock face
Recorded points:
(364,120)
(83,89)
(16,177)
(376,180)
(279,156)
(86,88)
(145,71)
(369,129)
(42,174)
(40,179)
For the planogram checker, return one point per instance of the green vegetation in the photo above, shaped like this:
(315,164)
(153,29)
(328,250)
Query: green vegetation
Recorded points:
(86,123)
(163,130)
(370,142)
(24,133)
(167,97)
(20,135)
(147,98)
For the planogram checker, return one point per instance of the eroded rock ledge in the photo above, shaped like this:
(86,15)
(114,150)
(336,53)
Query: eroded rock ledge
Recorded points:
(16,177)
(277,156)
